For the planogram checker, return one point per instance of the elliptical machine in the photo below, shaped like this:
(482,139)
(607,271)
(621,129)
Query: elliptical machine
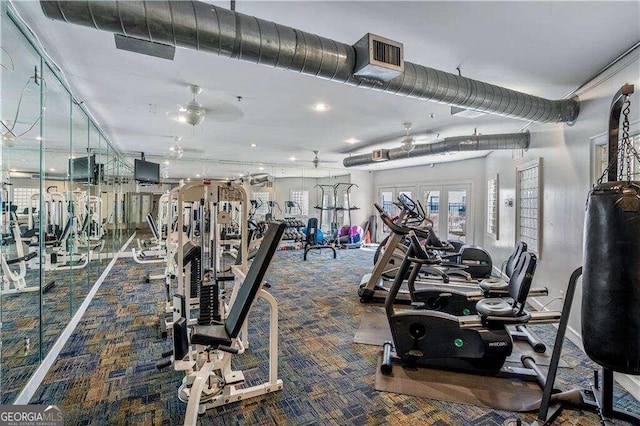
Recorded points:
(453,298)
(390,253)
(477,344)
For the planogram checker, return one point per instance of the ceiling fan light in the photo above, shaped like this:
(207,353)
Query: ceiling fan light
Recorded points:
(9,140)
(176,151)
(407,144)
(195,113)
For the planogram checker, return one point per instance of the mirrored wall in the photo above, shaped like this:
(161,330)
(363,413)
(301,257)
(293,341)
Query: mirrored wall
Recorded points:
(64,215)
(70,203)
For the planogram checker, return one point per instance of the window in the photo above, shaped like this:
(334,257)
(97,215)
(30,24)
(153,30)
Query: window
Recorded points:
(602,160)
(22,198)
(261,197)
(528,219)
(492,207)
(302,199)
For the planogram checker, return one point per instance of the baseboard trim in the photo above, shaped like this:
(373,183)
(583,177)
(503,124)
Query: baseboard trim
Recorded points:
(38,376)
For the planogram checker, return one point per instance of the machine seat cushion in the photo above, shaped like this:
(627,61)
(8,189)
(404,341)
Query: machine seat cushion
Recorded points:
(494,307)
(493,284)
(210,335)
(26,258)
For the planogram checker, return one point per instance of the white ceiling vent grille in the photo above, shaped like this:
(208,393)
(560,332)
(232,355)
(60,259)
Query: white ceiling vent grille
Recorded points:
(378,58)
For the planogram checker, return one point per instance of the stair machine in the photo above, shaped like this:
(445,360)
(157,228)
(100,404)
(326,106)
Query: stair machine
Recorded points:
(477,344)
(206,356)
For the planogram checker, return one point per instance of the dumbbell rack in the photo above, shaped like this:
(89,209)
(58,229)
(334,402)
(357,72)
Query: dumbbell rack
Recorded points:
(292,234)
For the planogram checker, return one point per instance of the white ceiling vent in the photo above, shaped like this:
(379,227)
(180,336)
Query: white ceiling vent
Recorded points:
(378,58)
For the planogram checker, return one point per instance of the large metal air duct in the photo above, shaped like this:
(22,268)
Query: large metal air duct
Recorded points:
(452,144)
(202,26)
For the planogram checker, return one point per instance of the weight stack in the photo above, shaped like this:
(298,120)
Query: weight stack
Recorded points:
(209,314)
(196,267)
(611,277)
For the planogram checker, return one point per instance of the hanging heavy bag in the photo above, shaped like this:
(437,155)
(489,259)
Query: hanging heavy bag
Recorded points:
(611,280)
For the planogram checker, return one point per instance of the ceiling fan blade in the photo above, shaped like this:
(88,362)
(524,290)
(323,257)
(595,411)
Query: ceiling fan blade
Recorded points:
(224,112)
(193,150)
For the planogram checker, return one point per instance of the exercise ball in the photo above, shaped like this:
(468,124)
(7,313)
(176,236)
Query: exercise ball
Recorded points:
(356,233)
(344,231)
(319,236)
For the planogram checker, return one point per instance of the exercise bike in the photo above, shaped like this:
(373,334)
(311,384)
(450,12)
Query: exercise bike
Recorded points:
(477,344)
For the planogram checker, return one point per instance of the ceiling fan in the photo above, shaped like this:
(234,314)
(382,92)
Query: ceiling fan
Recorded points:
(408,142)
(316,161)
(176,150)
(194,112)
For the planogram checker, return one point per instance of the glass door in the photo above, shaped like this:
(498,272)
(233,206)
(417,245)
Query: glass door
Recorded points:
(457,214)
(385,199)
(447,206)
(431,203)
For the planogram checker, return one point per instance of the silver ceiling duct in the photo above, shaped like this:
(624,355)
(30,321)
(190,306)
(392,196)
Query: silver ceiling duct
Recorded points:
(452,144)
(202,26)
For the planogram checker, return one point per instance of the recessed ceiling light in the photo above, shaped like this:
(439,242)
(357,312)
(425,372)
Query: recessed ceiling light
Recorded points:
(352,141)
(292,158)
(188,179)
(253,145)
(320,107)
(198,175)
(52,170)
(38,138)
(260,168)
(182,119)
(240,174)
(182,109)
(432,115)
(166,162)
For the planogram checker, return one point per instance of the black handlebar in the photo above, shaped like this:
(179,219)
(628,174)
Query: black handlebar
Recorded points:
(227,349)
(399,229)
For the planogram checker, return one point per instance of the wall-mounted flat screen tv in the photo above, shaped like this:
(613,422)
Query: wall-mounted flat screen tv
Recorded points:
(145,171)
(82,169)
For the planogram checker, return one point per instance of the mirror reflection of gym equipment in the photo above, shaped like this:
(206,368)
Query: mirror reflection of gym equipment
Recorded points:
(399,235)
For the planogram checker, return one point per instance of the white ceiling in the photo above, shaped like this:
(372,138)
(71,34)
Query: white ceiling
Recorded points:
(543,48)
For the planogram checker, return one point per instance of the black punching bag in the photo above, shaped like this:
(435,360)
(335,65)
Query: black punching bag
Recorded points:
(611,280)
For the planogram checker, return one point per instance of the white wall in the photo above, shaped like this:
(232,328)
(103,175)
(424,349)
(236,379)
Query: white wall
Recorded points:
(362,196)
(566,153)
(468,171)
(567,178)
(282,192)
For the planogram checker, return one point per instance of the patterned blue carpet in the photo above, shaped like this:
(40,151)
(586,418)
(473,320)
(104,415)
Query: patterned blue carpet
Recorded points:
(106,372)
